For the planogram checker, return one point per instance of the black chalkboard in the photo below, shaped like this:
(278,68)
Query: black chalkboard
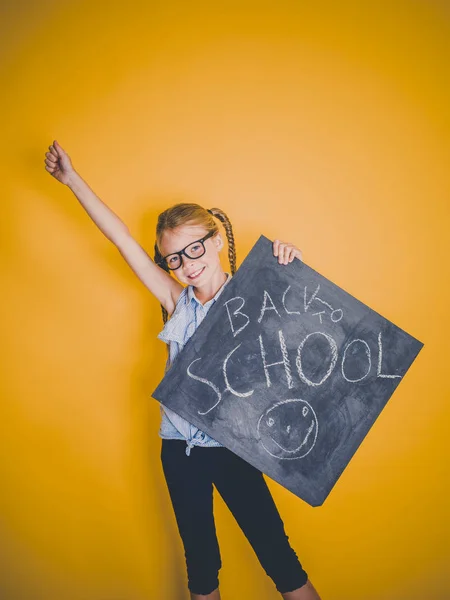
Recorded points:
(288,371)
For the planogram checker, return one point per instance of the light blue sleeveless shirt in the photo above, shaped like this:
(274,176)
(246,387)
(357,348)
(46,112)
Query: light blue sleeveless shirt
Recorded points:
(188,314)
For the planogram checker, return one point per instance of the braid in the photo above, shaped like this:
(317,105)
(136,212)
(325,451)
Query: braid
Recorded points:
(161,263)
(219,214)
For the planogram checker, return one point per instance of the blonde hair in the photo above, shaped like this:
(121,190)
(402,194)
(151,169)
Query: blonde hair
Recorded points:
(193,214)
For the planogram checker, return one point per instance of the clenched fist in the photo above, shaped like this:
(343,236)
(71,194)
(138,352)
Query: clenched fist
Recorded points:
(58,163)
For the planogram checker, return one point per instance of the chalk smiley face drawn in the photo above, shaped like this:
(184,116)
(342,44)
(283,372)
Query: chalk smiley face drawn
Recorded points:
(288,429)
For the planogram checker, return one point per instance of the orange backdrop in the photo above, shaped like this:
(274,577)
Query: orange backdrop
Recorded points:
(324,124)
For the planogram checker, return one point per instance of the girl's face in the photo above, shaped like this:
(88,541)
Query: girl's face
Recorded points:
(193,271)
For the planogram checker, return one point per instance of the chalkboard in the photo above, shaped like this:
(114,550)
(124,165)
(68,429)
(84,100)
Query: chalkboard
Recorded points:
(288,371)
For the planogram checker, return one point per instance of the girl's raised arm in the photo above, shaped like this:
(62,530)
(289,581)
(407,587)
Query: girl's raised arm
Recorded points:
(164,287)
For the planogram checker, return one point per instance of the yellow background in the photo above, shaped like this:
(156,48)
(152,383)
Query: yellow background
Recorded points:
(324,124)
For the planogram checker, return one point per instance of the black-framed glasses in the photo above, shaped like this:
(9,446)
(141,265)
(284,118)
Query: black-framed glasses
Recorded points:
(193,250)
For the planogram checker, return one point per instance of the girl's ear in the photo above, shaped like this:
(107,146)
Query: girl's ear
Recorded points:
(218,242)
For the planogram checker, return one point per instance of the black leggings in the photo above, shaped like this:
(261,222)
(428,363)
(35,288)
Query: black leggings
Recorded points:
(190,482)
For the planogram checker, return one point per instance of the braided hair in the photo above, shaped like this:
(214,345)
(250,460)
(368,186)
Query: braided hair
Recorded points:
(219,214)
(192,214)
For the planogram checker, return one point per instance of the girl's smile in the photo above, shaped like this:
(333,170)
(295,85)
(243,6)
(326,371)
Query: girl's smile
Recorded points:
(193,276)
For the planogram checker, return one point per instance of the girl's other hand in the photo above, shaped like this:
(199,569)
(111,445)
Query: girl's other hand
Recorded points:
(58,163)
(286,252)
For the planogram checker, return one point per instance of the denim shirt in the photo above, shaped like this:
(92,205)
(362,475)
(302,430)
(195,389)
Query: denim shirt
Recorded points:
(188,314)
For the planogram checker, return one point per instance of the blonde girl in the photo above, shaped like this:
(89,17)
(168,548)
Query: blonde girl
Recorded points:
(188,243)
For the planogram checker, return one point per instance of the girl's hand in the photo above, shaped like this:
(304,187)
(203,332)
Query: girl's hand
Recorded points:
(58,164)
(286,252)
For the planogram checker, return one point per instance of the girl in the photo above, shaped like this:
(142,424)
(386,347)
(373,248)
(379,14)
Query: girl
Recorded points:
(188,243)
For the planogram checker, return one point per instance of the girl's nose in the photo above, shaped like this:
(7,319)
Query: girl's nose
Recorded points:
(187,261)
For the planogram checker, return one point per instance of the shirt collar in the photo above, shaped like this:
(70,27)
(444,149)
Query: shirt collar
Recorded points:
(173,329)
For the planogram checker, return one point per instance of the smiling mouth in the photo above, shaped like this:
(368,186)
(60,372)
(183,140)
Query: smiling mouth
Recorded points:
(196,274)
(308,433)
